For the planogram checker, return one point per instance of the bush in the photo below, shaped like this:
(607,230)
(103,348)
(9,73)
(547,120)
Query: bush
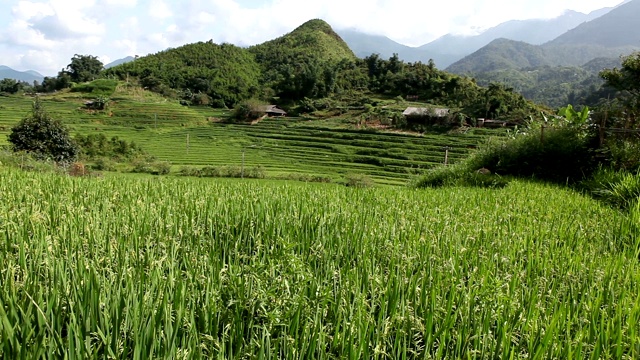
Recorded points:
(358,181)
(42,136)
(459,175)
(623,155)
(103,164)
(619,189)
(248,110)
(150,166)
(563,155)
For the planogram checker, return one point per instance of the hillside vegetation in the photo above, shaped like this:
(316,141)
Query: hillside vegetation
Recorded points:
(224,72)
(311,62)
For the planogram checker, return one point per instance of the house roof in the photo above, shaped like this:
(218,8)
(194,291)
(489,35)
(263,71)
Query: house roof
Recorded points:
(433,112)
(273,109)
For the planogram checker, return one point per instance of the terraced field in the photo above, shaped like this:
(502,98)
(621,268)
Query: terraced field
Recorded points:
(192,136)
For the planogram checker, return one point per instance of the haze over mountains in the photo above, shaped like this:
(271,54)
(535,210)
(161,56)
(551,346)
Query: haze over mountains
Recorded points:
(450,48)
(26,76)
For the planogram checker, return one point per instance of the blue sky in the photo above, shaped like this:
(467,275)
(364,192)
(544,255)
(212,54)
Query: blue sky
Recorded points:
(43,35)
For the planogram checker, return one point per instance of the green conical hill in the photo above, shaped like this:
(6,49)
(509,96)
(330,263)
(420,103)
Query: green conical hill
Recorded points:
(314,38)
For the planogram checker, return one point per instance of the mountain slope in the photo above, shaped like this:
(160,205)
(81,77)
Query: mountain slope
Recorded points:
(363,45)
(292,65)
(313,37)
(450,48)
(501,54)
(226,73)
(119,62)
(617,28)
(608,36)
(27,76)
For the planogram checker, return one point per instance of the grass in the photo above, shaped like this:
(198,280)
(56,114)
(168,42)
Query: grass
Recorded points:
(328,148)
(149,267)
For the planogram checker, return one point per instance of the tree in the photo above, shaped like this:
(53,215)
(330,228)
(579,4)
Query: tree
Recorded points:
(627,82)
(39,134)
(84,68)
(627,78)
(10,86)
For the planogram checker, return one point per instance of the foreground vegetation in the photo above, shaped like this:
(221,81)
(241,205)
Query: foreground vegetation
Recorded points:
(159,268)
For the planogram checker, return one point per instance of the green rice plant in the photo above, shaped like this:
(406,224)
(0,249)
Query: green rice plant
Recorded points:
(122,267)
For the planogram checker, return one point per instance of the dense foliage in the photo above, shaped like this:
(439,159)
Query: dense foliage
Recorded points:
(305,62)
(312,62)
(43,136)
(84,68)
(225,73)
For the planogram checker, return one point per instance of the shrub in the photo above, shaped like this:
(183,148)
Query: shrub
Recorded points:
(459,175)
(103,164)
(623,192)
(562,155)
(358,181)
(42,136)
(623,155)
(248,110)
(149,166)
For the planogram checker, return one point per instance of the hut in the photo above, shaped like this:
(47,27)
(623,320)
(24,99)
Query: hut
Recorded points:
(429,116)
(273,111)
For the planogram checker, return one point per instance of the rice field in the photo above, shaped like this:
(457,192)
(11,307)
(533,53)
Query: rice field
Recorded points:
(116,268)
(186,137)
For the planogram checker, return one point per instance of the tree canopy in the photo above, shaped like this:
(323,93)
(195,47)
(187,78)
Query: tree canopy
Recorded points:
(84,68)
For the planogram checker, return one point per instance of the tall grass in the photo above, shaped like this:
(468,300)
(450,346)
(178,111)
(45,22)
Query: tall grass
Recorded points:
(189,268)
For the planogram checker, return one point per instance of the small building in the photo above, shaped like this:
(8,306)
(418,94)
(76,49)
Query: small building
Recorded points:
(273,111)
(426,115)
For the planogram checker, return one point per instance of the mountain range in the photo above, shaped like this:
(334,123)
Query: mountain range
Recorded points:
(450,48)
(608,36)
(27,76)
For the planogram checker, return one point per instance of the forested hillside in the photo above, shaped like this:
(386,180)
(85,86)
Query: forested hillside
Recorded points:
(310,64)
(225,73)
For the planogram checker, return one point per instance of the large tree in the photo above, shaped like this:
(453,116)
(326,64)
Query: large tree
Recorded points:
(626,79)
(84,68)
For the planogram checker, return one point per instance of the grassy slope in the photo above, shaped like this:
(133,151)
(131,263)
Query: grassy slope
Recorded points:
(282,146)
(171,268)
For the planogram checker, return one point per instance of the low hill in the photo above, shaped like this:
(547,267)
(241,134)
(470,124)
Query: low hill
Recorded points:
(27,76)
(225,73)
(501,54)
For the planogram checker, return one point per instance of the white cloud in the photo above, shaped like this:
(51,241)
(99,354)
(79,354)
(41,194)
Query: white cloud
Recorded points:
(160,10)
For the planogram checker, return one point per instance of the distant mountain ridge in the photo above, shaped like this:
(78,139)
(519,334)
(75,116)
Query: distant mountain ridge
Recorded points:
(119,62)
(27,76)
(610,36)
(450,48)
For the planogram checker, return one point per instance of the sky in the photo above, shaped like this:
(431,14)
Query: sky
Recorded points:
(44,35)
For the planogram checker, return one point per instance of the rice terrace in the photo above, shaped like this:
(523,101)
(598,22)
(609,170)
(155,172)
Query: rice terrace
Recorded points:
(290,200)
